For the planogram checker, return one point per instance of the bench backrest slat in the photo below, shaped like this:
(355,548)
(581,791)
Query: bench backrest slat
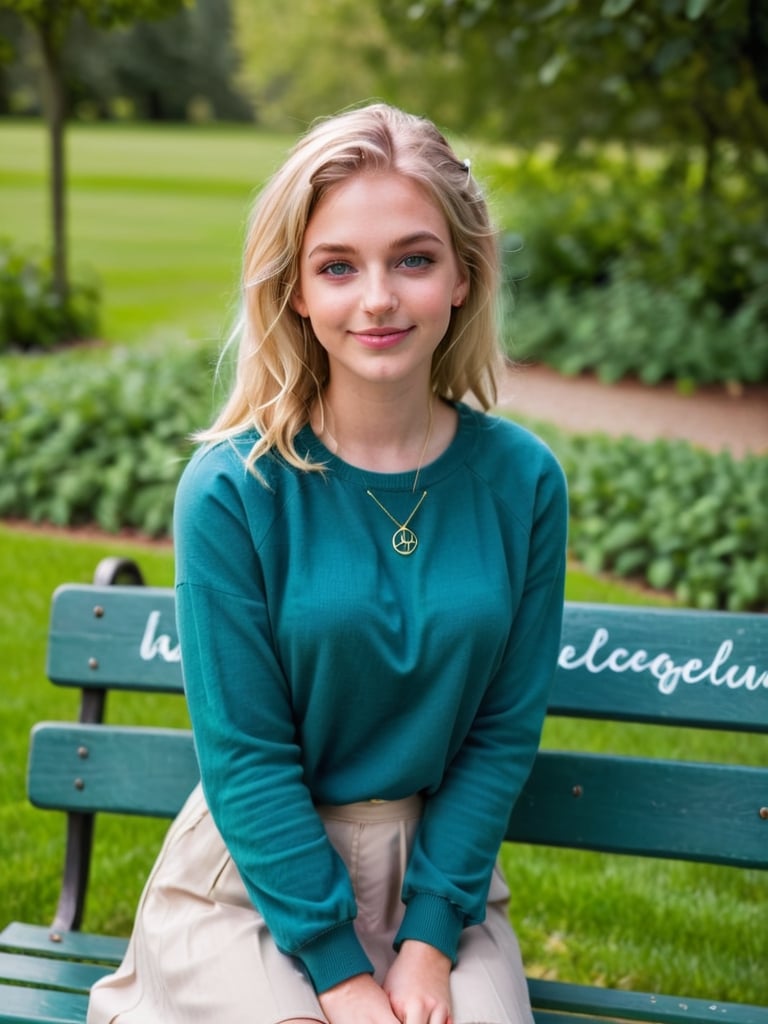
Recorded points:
(663,665)
(120,769)
(596,802)
(119,637)
(657,808)
(670,666)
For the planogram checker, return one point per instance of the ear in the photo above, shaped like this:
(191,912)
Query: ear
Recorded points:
(298,305)
(460,291)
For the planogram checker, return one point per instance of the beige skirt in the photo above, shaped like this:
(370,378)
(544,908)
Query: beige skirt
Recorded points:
(201,954)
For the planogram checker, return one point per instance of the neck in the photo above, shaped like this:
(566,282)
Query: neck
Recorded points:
(382,436)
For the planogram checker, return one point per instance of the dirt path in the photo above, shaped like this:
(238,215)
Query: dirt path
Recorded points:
(710,417)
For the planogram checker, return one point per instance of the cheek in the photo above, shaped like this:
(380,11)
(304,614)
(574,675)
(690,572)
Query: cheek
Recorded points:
(325,305)
(437,304)
(330,309)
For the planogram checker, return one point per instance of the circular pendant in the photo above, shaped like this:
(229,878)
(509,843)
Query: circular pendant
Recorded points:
(404,541)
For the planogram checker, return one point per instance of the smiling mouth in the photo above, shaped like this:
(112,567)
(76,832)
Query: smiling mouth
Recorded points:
(381,337)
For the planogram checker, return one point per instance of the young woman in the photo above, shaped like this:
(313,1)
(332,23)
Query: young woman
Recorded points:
(369,598)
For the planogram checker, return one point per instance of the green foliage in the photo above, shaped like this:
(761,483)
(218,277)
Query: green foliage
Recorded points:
(106,13)
(32,315)
(632,328)
(584,224)
(102,443)
(617,270)
(170,60)
(677,73)
(177,68)
(317,58)
(676,517)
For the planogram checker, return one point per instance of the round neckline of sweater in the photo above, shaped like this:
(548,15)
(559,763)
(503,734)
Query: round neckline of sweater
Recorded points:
(455,455)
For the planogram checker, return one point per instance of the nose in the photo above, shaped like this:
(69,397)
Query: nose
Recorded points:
(378,294)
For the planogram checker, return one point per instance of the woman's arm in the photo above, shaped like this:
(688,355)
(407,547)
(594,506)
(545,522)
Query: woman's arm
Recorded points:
(240,707)
(464,822)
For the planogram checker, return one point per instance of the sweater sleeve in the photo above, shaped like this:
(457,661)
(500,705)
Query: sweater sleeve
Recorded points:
(240,708)
(464,822)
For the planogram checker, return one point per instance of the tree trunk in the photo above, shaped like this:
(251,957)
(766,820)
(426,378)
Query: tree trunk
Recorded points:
(55,116)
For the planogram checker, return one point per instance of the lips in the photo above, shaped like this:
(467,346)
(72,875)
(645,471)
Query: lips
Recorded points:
(381,337)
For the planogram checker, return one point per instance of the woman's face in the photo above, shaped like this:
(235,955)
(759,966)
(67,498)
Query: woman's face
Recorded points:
(378,279)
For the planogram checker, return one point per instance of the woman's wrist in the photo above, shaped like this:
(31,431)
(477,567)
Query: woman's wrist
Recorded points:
(430,957)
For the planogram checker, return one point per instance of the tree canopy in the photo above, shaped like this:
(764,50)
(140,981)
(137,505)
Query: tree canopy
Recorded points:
(671,72)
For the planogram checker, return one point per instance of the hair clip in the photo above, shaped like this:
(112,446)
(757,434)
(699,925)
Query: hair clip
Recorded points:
(468,164)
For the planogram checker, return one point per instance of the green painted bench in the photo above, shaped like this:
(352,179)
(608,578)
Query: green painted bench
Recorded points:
(675,667)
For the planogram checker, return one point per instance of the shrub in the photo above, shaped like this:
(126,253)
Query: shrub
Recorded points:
(633,328)
(578,224)
(32,316)
(674,516)
(612,256)
(102,443)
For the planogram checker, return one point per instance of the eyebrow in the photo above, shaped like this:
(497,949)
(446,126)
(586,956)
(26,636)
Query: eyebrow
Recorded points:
(417,238)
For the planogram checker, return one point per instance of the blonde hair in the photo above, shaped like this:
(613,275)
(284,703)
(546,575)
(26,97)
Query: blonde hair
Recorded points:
(281,368)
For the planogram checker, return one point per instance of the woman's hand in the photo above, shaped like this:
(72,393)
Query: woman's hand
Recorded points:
(418,984)
(358,1000)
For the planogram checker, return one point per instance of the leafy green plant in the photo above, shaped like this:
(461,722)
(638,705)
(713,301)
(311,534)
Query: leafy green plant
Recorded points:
(103,443)
(32,315)
(581,221)
(615,269)
(671,515)
(632,328)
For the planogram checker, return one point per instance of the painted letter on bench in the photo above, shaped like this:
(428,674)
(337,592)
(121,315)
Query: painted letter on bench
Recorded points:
(600,657)
(157,645)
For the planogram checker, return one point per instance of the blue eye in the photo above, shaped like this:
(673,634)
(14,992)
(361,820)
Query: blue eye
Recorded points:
(336,269)
(416,261)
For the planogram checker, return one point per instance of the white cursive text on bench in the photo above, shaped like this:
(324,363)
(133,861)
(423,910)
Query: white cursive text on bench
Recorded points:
(154,645)
(662,666)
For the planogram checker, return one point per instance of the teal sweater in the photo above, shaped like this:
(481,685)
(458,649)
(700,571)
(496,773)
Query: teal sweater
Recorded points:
(322,667)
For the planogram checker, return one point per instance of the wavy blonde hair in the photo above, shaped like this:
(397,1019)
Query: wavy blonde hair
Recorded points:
(281,368)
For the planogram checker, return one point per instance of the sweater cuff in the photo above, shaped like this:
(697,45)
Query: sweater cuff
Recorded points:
(432,919)
(333,957)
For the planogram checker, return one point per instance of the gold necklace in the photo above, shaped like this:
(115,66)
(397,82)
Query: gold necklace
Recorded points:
(404,540)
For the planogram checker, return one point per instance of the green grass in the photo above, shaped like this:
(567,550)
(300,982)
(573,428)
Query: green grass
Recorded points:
(159,215)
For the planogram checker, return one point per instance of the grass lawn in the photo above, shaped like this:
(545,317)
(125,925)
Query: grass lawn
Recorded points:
(159,214)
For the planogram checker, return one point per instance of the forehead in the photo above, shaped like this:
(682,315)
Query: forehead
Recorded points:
(379,202)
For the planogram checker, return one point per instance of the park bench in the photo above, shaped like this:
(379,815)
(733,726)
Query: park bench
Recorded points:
(618,664)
